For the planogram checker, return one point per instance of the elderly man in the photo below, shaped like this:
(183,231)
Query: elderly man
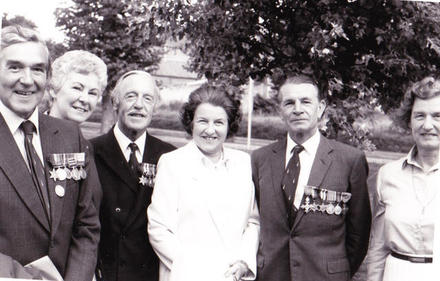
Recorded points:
(126,159)
(313,201)
(46,173)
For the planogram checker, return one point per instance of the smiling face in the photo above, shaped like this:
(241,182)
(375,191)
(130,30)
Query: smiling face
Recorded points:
(136,102)
(23,76)
(300,110)
(77,97)
(425,124)
(210,128)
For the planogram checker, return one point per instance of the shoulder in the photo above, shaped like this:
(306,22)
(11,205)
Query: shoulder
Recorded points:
(344,150)
(237,155)
(392,166)
(63,126)
(268,149)
(159,144)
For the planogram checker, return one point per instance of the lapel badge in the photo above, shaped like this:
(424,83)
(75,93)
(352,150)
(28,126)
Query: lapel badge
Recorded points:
(148,174)
(59,191)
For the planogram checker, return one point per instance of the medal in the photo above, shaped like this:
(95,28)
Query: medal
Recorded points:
(82,173)
(59,191)
(338,210)
(148,174)
(61,174)
(307,192)
(75,174)
(53,174)
(345,197)
(331,198)
(68,173)
(323,196)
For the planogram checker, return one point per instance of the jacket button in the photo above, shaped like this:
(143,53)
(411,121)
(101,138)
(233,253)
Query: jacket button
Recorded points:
(118,210)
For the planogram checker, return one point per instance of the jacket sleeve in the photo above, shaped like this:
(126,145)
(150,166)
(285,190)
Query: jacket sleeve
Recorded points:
(378,250)
(358,218)
(250,238)
(162,213)
(82,256)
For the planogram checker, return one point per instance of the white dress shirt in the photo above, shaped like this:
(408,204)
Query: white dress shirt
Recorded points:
(14,121)
(306,158)
(124,143)
(405,213)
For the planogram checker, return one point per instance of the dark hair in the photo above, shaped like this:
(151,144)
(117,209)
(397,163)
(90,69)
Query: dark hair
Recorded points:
(216,96)
(424,89)
(301,79)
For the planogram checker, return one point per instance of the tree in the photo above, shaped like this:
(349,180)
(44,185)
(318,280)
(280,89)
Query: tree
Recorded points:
(55,49)
(103,28)
(366,52)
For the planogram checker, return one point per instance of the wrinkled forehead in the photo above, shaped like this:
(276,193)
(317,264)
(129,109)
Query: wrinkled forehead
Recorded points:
(298,90)
(26,53)
(138,82)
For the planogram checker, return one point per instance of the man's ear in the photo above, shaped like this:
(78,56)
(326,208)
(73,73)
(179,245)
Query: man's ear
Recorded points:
(321,108)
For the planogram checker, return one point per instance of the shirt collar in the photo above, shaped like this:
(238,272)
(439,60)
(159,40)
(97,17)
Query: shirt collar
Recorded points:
(124,141)
(410,159)
(223,162)
(14,121)
(310,145)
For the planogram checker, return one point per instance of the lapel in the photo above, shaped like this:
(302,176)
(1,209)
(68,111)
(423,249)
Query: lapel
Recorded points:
(150,155)
(52,142)
(112,155)
(320,166)
(277,163)
(15,168)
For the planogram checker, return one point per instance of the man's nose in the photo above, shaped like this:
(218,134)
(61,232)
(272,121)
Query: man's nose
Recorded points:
(26,77)
(427,123)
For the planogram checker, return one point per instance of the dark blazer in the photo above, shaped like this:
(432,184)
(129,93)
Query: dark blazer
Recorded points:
(71,239)
(319,246)
(125,252)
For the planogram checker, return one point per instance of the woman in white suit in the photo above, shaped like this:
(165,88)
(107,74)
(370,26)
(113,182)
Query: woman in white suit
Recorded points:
(203,220)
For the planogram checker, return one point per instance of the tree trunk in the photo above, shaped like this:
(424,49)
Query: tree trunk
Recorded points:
(108,117)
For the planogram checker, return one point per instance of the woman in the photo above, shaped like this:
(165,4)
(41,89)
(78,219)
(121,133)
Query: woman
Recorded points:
(401,246)
(77,82)
(203,219)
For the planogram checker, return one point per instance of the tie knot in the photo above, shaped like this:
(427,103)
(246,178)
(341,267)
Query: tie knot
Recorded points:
(133,147)
(297,149)
(28,127)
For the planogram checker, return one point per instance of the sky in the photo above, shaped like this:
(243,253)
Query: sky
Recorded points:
(41,12)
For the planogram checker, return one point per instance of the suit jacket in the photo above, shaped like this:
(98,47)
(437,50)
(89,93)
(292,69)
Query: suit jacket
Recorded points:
(201,221)
(318,246)
(124,251)
(25,234)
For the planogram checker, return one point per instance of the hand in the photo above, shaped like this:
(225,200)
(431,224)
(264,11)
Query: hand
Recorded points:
(237,270)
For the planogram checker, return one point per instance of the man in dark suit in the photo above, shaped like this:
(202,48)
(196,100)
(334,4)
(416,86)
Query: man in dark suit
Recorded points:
(126,159)
(44,210)
(314,207)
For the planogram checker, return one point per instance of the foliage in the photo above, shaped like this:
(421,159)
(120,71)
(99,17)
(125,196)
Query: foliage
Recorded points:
(55,49)
(103,28)
(364,52)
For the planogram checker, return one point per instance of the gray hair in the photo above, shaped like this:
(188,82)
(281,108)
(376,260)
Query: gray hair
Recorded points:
(117,89)
(15,34)
(78,61)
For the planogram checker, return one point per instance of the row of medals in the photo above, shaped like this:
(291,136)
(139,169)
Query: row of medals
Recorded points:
(325,201)
(148,173)
(68,166)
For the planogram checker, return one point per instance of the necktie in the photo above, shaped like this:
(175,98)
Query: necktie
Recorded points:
(290,181)
(35,166)
(132,161)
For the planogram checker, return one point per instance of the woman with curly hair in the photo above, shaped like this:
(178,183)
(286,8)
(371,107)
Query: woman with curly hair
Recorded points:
(203,219)
(76,86)
(407,194)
